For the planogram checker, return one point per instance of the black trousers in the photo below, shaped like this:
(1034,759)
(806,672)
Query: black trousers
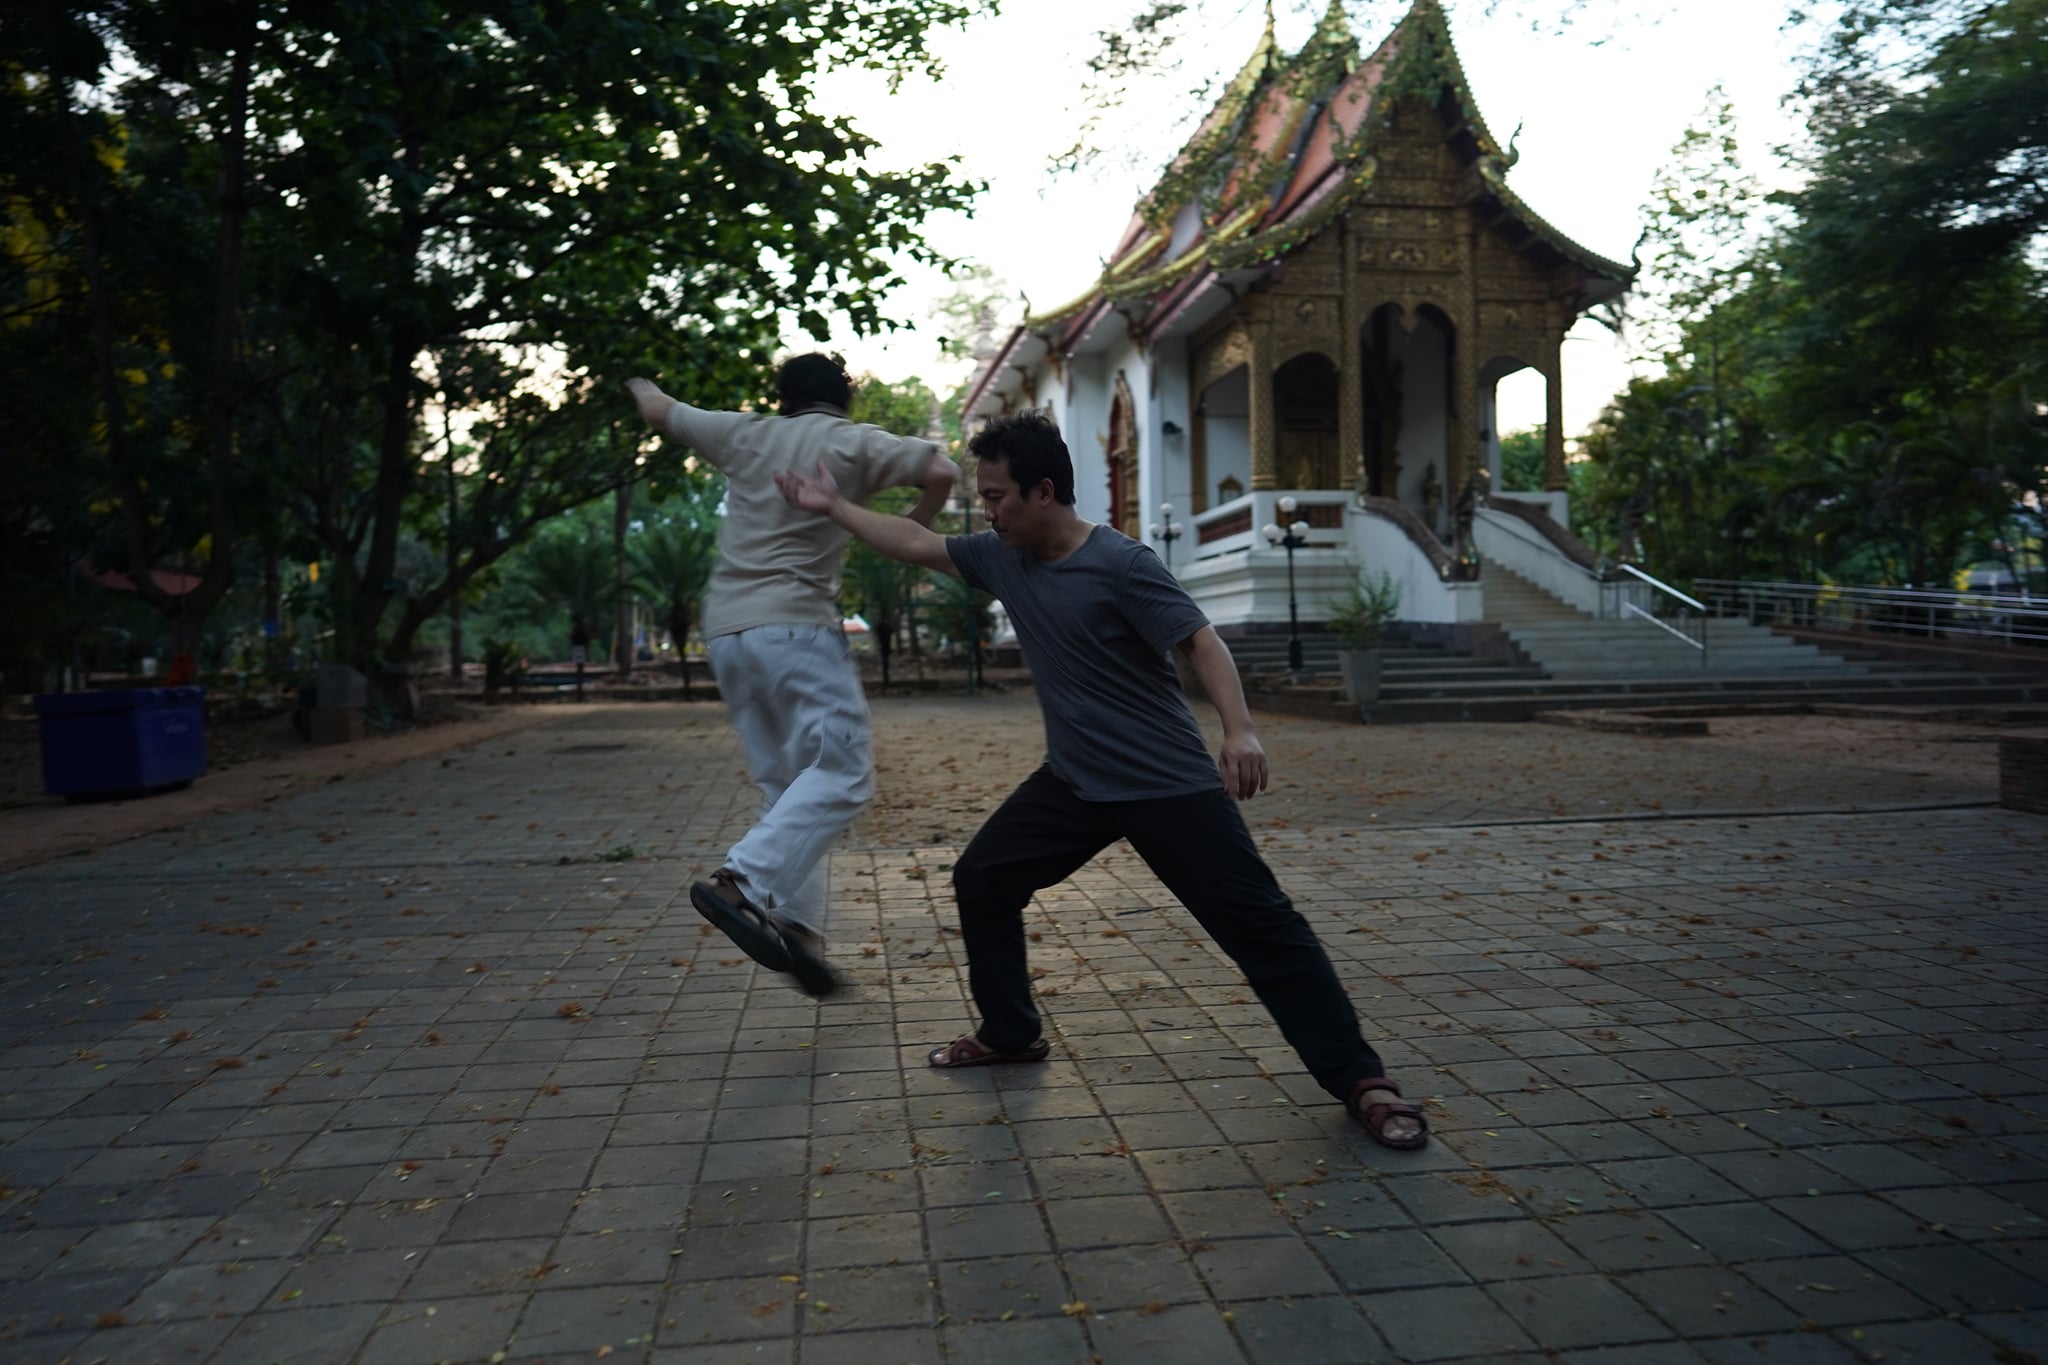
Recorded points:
(1199,847)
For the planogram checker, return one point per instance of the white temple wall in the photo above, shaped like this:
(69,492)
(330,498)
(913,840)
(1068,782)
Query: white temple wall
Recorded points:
(1085,424)
(1380,545)
(1166,467)
(1227,431)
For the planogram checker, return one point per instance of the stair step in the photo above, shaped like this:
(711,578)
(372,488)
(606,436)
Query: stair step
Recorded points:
(1522,706)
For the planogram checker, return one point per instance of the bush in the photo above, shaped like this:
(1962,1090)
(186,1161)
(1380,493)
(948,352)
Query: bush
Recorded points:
(1360,617)
(504,666)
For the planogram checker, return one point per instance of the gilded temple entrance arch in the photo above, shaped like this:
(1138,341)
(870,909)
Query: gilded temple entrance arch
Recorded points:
(1305,398)
(1379,383)
(1121,450)
(1522,379)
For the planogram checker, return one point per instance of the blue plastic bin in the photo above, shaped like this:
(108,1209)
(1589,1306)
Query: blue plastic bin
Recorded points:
(122,741)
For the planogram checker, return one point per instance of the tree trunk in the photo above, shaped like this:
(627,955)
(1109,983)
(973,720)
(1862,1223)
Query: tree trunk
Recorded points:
(679,635)
(273,614)
(622,615)
(454,564)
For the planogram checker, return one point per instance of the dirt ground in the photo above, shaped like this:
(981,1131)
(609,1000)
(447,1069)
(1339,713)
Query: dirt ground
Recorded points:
(250,760)
(944,765)
(946,760)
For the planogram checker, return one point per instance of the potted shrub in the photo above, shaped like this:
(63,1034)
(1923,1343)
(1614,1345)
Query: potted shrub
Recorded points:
(1359,620)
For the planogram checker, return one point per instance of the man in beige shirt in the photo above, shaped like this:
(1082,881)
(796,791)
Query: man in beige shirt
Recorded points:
(771,621)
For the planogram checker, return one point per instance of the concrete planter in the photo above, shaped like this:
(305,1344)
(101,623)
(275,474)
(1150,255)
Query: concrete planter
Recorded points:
(1361,670)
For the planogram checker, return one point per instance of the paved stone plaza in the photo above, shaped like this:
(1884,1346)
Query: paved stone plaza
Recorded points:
(1729,1058)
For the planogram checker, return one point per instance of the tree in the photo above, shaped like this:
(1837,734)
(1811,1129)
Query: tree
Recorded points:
(1521,459)
(1859,393)
(672,556)
(351,221)
(1913,305)
(142,190)
(885,590)
(560,575)
(542,199)
(882,588)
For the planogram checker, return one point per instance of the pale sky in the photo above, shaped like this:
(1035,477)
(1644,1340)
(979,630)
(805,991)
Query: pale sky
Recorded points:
(1601,105)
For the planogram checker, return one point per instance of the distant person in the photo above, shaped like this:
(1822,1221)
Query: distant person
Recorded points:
(773,628)
(1097,616)
(579,650)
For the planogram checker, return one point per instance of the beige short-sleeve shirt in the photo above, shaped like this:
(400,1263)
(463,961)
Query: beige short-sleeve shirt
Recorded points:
(777,564)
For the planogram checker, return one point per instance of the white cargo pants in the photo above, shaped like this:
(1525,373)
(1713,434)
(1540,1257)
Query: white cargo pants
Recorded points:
(796,702)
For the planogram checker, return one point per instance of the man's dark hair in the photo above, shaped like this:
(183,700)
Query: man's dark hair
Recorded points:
(1029,444)
(805,381)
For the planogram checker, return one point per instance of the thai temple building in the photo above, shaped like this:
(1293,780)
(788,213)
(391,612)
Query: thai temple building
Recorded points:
(1316,303)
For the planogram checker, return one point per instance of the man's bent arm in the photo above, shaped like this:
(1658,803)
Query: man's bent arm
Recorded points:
(940,474)
(1242,762)
(897,537)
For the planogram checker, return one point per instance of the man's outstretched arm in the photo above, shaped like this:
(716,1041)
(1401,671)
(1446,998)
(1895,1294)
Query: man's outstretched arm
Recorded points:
(1242,761)
(654,405)
(897,537)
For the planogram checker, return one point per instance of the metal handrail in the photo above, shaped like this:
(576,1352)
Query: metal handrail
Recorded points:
(2011,617)
(1621,608)
(1631,609)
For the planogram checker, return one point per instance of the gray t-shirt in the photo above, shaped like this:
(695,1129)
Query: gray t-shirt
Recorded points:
(1097,629)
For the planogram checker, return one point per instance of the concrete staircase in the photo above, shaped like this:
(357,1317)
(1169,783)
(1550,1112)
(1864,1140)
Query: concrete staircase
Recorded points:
(1573,661)
(1569,645)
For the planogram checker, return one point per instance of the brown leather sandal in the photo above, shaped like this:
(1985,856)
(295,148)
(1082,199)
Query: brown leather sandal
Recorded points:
(719,899)
(1374,1116)
(967,1050)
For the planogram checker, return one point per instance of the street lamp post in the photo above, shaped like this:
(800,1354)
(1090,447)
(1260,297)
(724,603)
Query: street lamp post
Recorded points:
(1166,531)
(1293,538)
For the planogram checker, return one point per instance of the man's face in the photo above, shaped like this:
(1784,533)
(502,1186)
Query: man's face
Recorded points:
(1019,516)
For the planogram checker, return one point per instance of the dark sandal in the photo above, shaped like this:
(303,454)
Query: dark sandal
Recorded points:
(1374,1116)
(721,901)
(814,975)
(967,1050)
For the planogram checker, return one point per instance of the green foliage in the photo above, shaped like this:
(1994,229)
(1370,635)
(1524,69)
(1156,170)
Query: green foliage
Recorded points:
(881,588)
(672,554)
(969,310)
(905,408)
(563,572)
(1859,395)
(1361,615)
(957,613)
(296,253)
(504,666)
(1521,460)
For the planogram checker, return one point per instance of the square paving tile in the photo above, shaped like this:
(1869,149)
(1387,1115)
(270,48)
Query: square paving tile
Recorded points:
(1444,1323)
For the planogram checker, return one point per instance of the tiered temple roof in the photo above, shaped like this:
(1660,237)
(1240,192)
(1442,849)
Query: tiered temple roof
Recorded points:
(1288,145)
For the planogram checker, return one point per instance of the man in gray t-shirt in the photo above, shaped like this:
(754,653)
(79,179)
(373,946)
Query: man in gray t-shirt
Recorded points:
(1097,618)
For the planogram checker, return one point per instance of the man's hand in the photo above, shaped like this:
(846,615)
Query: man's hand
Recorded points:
(1242,765)
(812,494)
(652,402)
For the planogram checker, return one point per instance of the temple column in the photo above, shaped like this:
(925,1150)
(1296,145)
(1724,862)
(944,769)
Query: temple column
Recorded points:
(1554,478)
(1259,381)
(1350,363)
(1461,429)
